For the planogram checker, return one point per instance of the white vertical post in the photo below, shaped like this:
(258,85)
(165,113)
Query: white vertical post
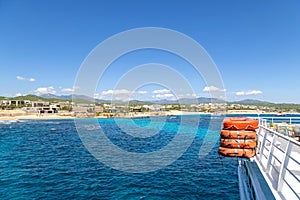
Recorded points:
(283,167)
(262,132)
(270,155)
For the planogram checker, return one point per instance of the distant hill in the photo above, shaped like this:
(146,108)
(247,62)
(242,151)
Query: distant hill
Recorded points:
(252,101)
(2,98)
(136,102)
(189,101)
(210,100)
(67,97)
(30,97)
(164,101)
(87,99)
(53,96)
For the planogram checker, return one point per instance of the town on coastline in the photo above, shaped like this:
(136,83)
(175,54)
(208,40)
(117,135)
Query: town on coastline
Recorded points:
(32,106)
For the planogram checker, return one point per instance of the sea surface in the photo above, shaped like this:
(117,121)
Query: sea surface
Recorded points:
(46,159)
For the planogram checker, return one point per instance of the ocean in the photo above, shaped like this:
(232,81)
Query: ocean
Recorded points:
(48,159)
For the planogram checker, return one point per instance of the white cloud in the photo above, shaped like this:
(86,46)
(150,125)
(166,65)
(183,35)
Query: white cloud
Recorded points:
(162,91)
(107,92)
(120,94)
(213,89)
(170,96)
(18,94)
(126,95)
(251,92)
(116,92)
(167,96)
(45,90)
(141,92)
(188,95)
(21,78)
(67,90)
(122,91)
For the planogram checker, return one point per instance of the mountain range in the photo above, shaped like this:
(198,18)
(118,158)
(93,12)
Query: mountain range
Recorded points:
(83,98)
(162,101)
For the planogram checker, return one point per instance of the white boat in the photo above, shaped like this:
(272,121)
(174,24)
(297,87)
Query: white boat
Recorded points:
(274,173)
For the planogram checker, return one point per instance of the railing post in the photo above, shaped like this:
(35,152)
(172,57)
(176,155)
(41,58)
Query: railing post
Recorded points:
(270,155)
(262,145)
(263,122)
(283,167)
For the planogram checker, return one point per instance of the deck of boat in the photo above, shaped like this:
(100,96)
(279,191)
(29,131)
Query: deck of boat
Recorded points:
(276,165)
(252,184)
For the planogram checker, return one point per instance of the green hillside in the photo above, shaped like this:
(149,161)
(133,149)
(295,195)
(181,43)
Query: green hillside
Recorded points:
(32,97)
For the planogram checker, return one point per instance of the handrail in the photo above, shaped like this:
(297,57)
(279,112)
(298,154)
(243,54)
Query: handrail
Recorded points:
(282,136)
(278,119)
(284,129)
(283,176)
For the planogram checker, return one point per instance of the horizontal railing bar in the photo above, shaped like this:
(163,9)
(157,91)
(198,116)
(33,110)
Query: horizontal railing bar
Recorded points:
(296,161)
(292,173)
(268,140)
(268,150)
(273,166)
(292,189)
(282,151)
(265,156)
(282,136)
(276,158)
(277,118)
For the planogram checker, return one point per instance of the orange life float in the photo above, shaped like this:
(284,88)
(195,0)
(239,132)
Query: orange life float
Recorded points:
(245,153)
(242,134)
(239,144)
(239,123)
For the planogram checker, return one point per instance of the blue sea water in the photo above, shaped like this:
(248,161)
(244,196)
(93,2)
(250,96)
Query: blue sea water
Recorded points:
(46,159)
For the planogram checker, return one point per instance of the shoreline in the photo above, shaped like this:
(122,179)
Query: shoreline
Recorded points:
(11,115)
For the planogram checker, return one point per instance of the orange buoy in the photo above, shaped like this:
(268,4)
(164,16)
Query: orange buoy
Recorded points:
(245,153)
(237,143)
(239,123)
(240,134)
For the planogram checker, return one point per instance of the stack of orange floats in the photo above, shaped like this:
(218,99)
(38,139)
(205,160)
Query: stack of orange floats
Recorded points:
(238,137)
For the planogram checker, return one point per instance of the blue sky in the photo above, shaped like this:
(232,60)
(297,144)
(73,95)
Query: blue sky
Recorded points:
(255,44)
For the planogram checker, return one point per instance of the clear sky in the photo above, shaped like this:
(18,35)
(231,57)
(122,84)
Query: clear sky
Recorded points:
(255,44)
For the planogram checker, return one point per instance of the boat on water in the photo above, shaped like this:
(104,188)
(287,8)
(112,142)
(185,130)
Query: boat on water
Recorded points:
(280,114)
(274,171)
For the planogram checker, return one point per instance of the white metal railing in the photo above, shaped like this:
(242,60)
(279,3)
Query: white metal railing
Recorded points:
(283,125)
(272,120)
(278,157)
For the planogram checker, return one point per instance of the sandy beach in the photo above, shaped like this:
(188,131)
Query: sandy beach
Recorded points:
(22,115)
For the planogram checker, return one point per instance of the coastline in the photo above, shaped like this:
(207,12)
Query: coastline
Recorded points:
(6,115)
(35,117)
